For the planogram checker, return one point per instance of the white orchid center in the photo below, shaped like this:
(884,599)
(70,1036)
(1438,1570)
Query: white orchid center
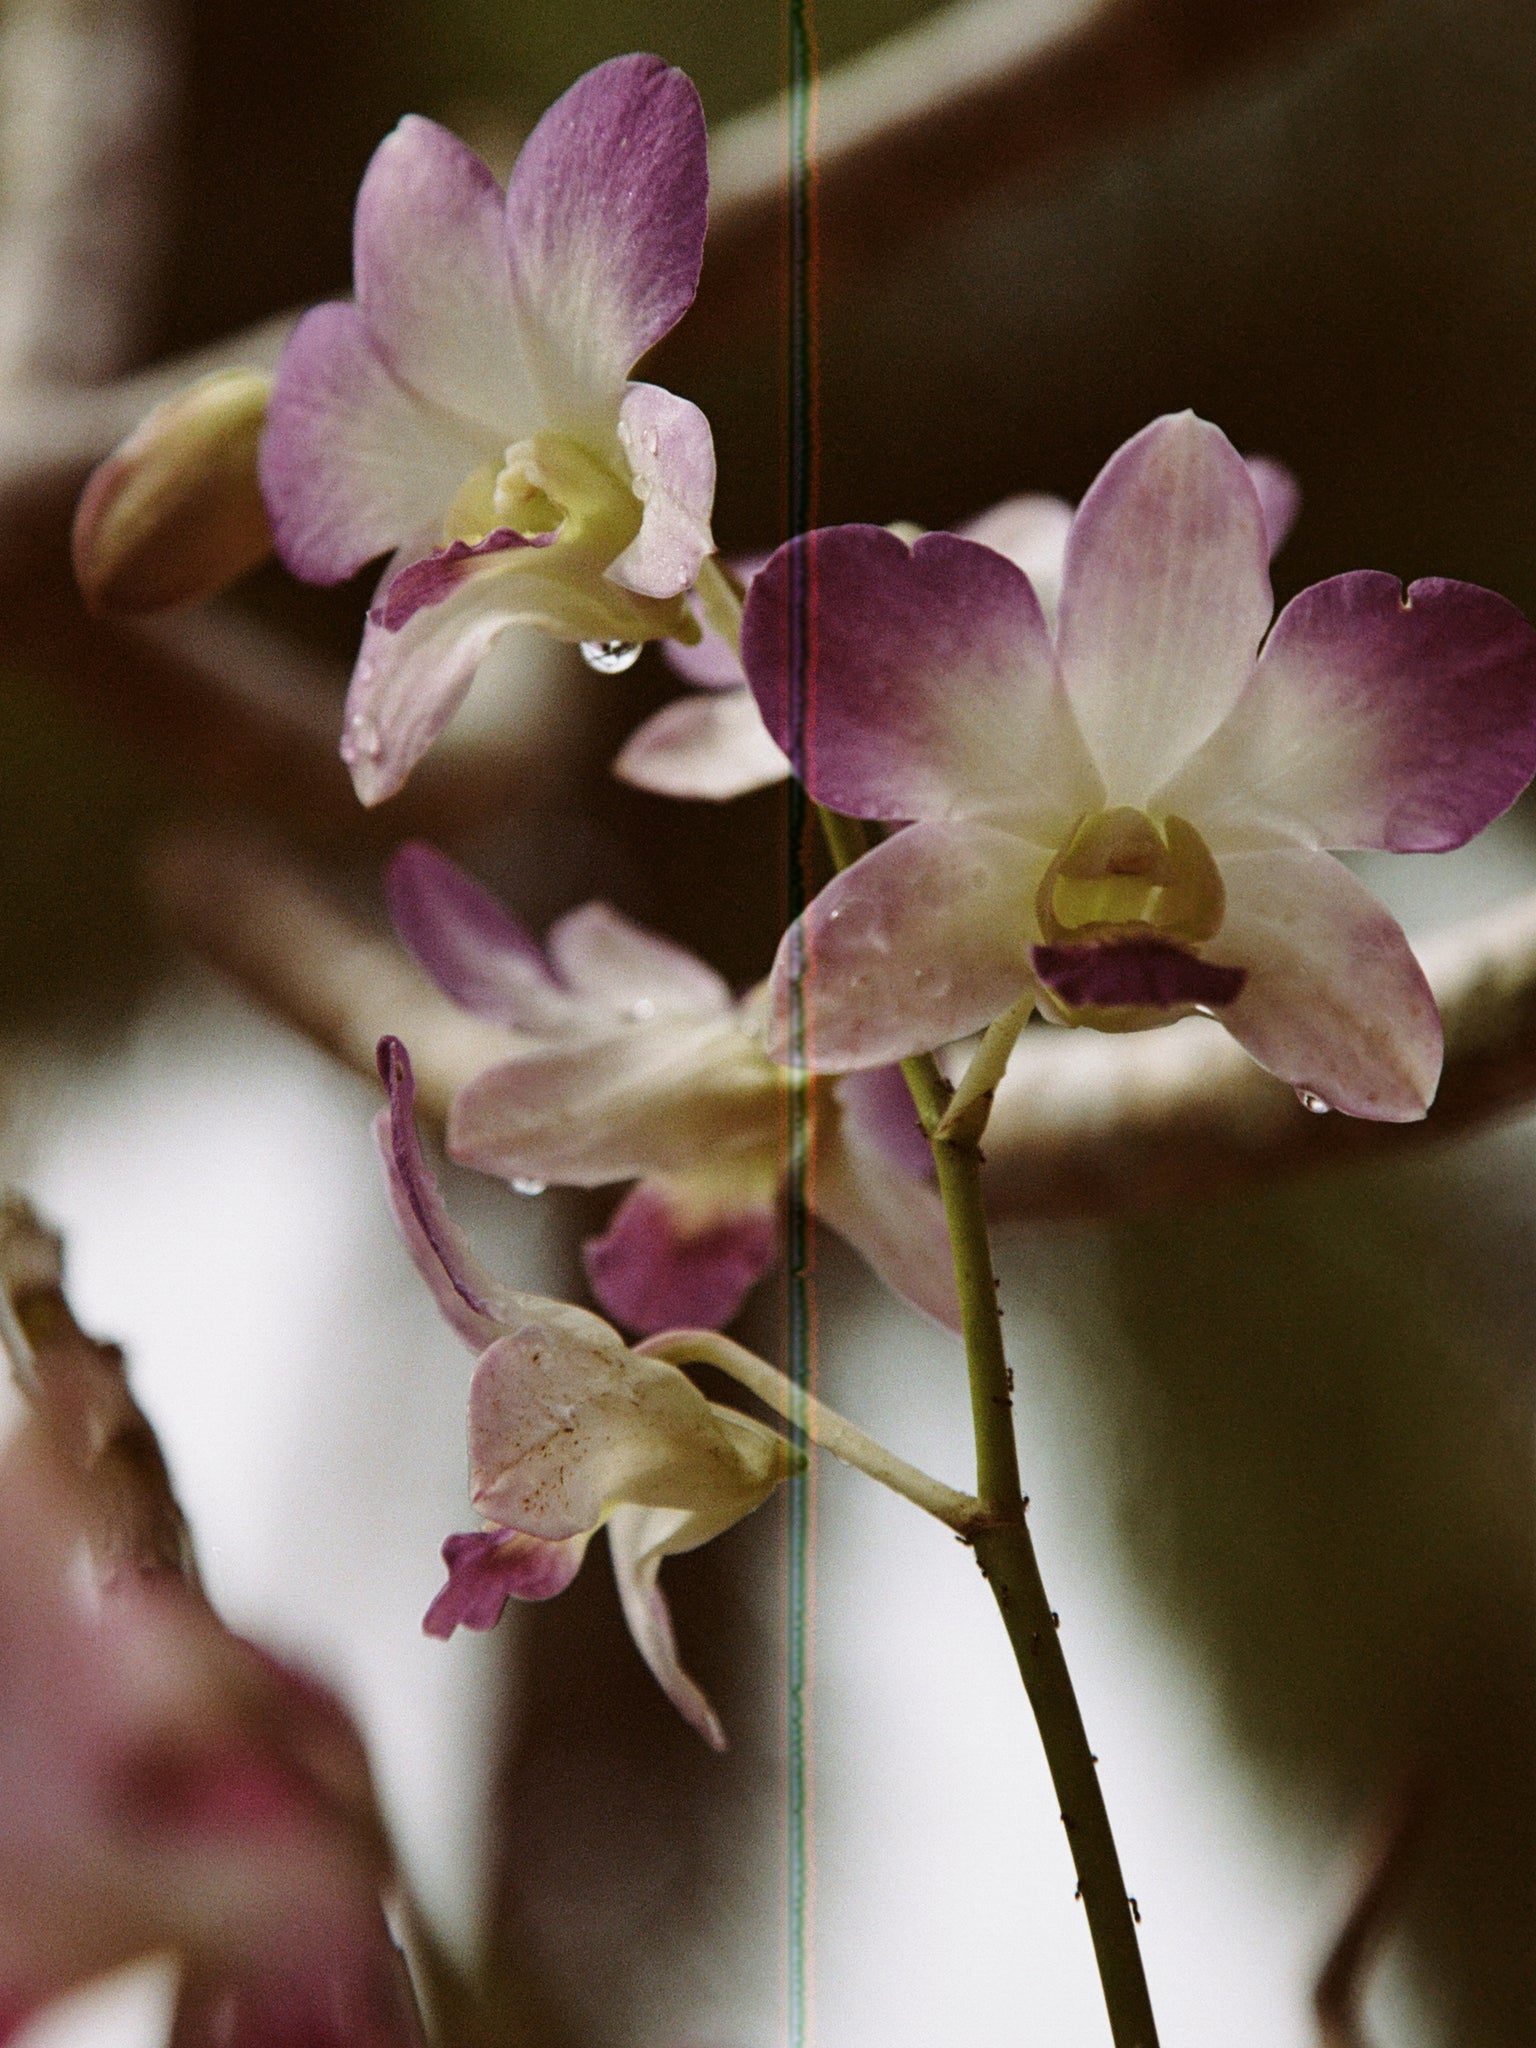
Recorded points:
(1123,875)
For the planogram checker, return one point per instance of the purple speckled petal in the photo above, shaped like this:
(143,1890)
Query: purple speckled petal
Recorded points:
(656,1098)
(636,1540)
(894,1220)
(915,682)
(431,578)
(671,456)
(1335,1002)
(605,225)
(922,941)
(1032,532)
(490,1568)
(1374,720)
(660,1267)
(1164,598)
(1135,974)
(711,747)
(475,952)
(429,262)
(1279,499)
(351,461)
(878,1115)
(636,975)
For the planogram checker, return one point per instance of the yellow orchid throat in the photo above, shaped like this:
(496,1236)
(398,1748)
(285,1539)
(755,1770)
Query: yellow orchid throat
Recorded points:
(1120,875)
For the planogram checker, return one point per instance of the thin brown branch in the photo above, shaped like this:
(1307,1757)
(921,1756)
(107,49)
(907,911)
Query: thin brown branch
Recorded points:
(1338,1997)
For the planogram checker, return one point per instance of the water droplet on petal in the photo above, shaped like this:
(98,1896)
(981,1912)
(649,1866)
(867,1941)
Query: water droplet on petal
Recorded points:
(610,657)
(361,741)
(523,1186)
(640,1012)
(1309,1099)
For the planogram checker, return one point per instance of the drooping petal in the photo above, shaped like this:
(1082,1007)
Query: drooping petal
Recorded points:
(605,228)
(475,952)
(712,747)
(1164,598)
(922,941)
(671,456)
(667,1263)
(429,264)
(637,1543)
(878,1115)
(1279,499)
(564,1424)
(435,576)
(351,461)
(634,974)
(493,1566)
(1032,532)
(653,1099)
(1135,974)
(914,682)
(1374,719)
(894,1220)
(1335,1002)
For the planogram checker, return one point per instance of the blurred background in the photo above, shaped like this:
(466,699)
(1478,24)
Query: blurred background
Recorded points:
(1278,1444)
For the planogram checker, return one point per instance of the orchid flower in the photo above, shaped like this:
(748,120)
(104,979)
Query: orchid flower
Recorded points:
(716,746)
(570,1430)
(1125,819)
(163,1786)
(471,410)
(632,1061)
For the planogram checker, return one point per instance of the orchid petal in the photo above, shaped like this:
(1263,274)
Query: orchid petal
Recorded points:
(1164,598)
(605,226)
(1279,499)
(1374,719)
(433,577)
(877,1114)
(493,1566)
(662,1265)
(1335,1002)
(352,461)
(352,1994)
(652,1099)
(671,456)
(1032,532)
(914,682)
(429,265)
(1135,974)
(893,1220)
(567,1423)
(633,974)
(922,941)
(479,956)
(713,747)
(637,1543)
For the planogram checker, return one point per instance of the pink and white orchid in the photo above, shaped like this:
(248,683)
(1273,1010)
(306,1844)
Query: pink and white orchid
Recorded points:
(629,1059)
(1126,817)
(714,745)
(569,1431)
(471,410)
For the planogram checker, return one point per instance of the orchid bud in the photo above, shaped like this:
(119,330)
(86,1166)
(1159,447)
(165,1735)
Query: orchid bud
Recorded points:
(175,513)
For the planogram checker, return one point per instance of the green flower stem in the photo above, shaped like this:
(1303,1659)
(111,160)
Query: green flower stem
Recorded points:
(1001,1538)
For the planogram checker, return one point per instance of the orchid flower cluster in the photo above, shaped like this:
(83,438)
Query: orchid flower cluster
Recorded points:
(1074,771)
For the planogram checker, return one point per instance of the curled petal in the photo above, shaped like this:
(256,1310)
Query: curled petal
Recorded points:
(431,578)
(478,955)
(712,747)
(892,1218)
(655,1098)
(637,1543)
(565,1423)
(605,228)
(1135,974)
(493,1566)
(666,1263)
(632,973)
(1164,598)
(352,461)
(1279,499)
(429,263)
(671,456)
(1375,719)
(914,682)
(922,941)
(1335,1003)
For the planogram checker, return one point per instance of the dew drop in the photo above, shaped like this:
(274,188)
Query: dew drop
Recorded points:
(1310,1100)
(362,741)
(523,1186)
(610,657)
(640,1012)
